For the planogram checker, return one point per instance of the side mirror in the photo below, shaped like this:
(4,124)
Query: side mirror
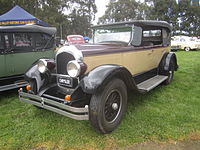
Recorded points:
(137,36)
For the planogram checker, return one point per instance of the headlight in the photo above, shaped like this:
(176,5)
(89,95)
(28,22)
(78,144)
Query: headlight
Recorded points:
(42,66)
(73,68)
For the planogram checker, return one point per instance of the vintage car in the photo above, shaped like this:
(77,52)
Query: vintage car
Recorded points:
(91,81)
(20,47)
(74,39)
(184,42)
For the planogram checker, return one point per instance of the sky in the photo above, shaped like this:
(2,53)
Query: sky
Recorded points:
(101,7)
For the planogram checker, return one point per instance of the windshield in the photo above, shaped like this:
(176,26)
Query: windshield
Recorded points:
(117,34)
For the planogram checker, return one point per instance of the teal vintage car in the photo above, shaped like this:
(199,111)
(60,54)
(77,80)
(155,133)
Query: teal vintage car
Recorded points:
(20,47)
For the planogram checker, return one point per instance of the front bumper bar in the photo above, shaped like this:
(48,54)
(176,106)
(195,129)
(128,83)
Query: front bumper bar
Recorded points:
(60,108)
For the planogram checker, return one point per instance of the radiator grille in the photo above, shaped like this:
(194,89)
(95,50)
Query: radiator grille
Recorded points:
(61,62)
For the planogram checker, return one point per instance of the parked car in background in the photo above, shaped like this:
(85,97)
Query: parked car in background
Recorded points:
(91,81)
(74,39)
(184,42)
(20,47)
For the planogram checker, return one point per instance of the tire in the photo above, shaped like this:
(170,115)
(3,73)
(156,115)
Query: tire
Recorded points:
(108,106)
(170,74)
(187,49)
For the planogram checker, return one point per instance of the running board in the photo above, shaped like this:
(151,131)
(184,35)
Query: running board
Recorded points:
(151,83)
(15,85)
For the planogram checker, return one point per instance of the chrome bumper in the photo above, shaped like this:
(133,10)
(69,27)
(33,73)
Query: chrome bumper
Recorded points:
(60,108)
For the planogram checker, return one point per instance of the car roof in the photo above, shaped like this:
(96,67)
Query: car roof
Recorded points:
(28,28)
(75,36)
(143,23)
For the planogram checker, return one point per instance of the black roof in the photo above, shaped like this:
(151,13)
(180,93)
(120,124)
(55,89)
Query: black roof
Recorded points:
(142,23)
(28,28)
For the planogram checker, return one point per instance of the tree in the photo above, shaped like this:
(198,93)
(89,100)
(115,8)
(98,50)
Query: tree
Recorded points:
(164,10)
(77,21)
(123,10)
(83,12)
(189,18)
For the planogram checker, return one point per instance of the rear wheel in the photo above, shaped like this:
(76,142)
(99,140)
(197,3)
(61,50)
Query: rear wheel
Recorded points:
(170,74)
(187,49)
(108,106)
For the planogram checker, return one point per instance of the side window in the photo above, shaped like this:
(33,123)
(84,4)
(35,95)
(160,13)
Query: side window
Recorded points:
(43,41)
(166,37)
(182,40)
(151,37)
(1,43)
(22,42)
(151,33)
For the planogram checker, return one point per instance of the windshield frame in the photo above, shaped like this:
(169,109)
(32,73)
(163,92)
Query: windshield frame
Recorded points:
(131,26)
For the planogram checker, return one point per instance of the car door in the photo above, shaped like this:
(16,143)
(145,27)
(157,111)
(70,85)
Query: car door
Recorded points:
(23,52)
(2,57)
(141,58)
(16,59)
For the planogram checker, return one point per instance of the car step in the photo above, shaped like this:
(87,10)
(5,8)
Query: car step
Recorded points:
(151,83)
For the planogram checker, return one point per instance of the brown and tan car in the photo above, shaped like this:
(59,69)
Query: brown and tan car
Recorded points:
(91,81)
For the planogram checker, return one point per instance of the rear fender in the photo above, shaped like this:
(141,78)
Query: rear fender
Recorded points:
(166,60)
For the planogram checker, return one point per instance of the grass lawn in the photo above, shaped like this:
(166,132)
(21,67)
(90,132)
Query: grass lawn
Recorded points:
(167,113)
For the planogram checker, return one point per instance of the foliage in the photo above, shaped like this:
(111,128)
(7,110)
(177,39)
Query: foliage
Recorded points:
(81,16)
(164,10)
(165,114)
(76,16)
(189,18)
(122,10)
(183,16)
(80,13)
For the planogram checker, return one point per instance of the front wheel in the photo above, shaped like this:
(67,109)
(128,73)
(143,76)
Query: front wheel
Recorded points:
(108,106)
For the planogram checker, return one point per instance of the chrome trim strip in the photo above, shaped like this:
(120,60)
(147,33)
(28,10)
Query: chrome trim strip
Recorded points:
(69,111)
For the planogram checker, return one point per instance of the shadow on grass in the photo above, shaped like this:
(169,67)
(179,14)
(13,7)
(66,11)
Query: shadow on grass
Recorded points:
(135,99)
(8,94)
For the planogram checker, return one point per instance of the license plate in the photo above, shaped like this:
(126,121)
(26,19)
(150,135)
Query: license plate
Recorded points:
(65,81)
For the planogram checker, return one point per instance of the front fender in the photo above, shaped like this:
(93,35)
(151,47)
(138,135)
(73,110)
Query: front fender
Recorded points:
(33,74)
(99,76)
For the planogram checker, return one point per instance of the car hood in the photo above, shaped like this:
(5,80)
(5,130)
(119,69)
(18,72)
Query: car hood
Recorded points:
(95,49)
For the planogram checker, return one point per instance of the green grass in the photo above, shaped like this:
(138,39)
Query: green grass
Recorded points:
(167,113)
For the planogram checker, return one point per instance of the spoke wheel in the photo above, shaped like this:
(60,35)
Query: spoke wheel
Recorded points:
(107,106)
(113,106)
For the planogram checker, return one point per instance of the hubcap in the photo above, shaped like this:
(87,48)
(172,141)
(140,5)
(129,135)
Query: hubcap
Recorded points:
(187,49)
(112,105)
(115,106)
